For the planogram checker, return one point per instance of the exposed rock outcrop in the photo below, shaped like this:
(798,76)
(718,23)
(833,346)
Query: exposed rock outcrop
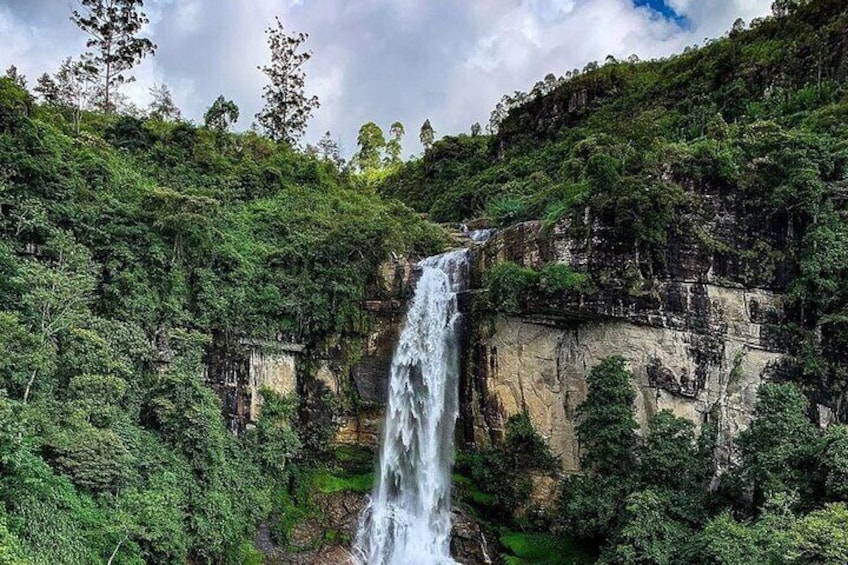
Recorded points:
(698,344)
(238,372)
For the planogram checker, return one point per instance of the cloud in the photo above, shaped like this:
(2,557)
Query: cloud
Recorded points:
(375,60)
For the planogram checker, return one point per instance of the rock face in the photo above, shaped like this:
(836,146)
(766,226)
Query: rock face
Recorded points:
(354,367)
(239,372)
(470,543)
(698,345)
(698,333)
(320,539)
(528,366)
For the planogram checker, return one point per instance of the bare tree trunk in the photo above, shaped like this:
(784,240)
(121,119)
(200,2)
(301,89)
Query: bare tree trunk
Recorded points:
(29,385)
(115,552)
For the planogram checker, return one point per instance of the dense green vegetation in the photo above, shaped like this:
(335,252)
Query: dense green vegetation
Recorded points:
(648,499)
(126,247)
(508,284)
(129,246)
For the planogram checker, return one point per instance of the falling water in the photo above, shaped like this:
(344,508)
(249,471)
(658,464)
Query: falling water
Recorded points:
(408,519)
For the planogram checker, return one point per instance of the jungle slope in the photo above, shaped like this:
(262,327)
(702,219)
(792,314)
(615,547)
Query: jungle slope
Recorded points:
(125,248)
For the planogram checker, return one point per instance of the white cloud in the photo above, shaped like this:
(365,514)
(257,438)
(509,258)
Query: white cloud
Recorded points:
(381,60)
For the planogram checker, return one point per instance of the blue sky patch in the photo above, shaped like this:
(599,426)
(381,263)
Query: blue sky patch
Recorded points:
(664,10)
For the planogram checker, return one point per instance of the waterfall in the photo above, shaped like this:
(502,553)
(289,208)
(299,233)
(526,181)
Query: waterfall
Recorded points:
(407,521)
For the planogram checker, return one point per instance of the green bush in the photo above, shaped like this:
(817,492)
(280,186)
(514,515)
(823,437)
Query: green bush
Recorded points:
(507,284)
(555,278)
(500,479)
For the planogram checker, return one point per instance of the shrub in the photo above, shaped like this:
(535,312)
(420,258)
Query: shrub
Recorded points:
(556,277)
(506,284)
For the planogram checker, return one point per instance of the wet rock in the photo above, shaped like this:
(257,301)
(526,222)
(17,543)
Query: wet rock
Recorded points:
(470,543)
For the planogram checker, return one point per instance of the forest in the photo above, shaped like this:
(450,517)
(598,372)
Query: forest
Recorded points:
(132,239)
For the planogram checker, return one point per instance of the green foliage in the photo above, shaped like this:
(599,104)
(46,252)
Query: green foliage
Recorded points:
(500,479)
(273,442)
(221,115)
(371,142)
(673,464)
(506,210)
(556,278)
(591,506)
(834,463)
(607,422)
(125,245)
(644,498)
(777,449)
(647,535)
(725,541)
(329,483)
(821,537)
(508,285)
(542,549)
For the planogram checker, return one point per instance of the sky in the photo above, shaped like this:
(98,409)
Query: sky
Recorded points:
(448,61)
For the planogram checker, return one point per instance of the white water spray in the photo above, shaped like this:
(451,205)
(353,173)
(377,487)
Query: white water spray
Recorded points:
(408,519)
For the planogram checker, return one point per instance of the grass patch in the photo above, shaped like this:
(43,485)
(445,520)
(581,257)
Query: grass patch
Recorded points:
(328,483)
(543,549)
(354,458)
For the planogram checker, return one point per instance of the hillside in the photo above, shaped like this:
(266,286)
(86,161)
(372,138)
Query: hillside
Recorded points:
(124,249)
(736,151)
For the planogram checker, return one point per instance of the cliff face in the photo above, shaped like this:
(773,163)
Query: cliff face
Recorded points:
(699,339)
(698,347)
(700,334)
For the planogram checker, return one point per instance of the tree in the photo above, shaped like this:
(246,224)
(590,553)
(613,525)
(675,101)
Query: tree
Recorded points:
(427,135)
(393,146)
(17,78)
(163,107)
(221,115)
(834,463)
(821,537)
(673,467)
(725,541)
(497,116)
(371,142)
(781,8)
(475,129)
(47,88)
(607,421)
(328,149)
(287,108)
(113,27)
(668,454)
(777,447)
(57,297)
(73,83)
(648,535)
